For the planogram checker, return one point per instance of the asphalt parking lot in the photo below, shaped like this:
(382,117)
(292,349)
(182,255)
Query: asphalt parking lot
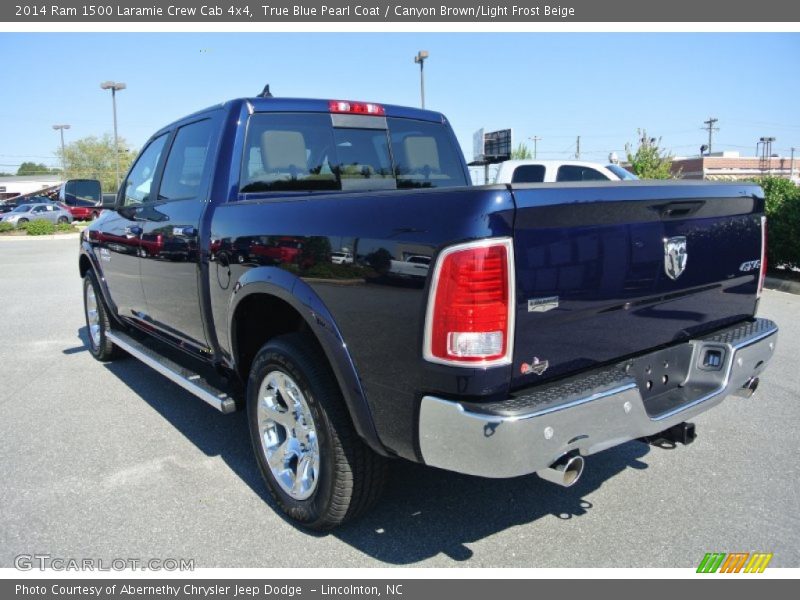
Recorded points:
(113,461)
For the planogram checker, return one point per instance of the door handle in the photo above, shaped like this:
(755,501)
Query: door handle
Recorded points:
(133,230)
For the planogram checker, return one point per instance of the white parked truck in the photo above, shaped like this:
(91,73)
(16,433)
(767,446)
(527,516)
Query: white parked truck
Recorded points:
(552,171)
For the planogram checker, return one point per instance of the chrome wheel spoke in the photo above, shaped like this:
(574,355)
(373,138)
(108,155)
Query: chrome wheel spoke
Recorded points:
(277,458)
(306,473)
(92,316)
(288,436)
(274,413)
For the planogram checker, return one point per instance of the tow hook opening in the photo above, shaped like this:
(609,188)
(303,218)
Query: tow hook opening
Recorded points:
(683,433)
(566,471)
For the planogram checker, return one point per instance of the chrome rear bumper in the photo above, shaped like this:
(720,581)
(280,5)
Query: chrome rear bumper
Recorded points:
(588,413)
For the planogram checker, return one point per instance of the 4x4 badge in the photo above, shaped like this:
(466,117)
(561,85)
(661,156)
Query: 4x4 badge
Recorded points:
(537,367)
(675,256)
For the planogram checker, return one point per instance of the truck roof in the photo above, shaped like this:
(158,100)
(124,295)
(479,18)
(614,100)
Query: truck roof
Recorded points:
(261,104)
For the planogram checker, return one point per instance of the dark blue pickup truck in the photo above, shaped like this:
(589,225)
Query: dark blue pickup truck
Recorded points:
(326,266)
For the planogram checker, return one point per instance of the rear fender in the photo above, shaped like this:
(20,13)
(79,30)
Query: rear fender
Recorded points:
(299,295)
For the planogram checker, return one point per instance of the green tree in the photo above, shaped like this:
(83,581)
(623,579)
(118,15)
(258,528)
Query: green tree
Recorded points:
(93,158)
(32,168)
(521,152)
(649,161)
(783,219)
(316,250)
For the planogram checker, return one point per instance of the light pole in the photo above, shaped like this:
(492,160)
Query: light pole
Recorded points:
(114,86)
(420,58)
(61,128)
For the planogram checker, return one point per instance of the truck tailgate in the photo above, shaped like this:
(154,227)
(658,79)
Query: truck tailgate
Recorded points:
(606,271)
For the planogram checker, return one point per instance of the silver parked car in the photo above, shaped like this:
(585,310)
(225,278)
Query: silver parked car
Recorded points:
(31,212)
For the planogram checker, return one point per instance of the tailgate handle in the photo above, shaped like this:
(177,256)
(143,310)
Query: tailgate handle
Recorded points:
(674,210)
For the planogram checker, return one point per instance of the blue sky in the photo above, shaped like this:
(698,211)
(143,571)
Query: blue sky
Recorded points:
(556,86)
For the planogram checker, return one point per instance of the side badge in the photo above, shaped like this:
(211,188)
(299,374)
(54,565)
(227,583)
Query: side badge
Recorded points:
(105,255)
(537,367)
(542,304)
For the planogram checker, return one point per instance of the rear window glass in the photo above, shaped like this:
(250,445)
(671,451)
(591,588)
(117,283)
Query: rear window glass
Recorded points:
(425,155)
(528,174)
(305,152)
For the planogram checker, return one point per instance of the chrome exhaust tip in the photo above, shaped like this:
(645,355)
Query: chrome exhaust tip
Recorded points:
(749,388)
(566,471)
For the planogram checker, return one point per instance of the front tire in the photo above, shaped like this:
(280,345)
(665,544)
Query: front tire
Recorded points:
(97,320)
(316,467)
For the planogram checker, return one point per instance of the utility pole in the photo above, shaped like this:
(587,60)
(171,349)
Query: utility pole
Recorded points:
(711,129)
(791,165)
(535,139)
(578,148)
(766,152)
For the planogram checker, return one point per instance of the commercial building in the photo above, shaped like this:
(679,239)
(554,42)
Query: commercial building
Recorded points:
(729,166)
(15,185)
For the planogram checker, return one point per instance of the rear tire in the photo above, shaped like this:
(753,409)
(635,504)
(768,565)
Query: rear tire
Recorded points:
(62,220)
(316,467)
(97,321)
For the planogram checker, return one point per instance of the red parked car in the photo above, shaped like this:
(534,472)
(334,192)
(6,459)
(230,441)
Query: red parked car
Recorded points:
(81,210)
(83,198)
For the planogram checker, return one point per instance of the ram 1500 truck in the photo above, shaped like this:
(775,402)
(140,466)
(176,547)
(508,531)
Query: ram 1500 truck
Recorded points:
(544,323)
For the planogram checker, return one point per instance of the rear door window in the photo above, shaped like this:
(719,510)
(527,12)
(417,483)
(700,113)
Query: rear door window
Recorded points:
(528,174)
(183,171)
(578,173)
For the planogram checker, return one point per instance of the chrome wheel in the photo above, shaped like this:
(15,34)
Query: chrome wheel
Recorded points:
(92,316)
(288,435)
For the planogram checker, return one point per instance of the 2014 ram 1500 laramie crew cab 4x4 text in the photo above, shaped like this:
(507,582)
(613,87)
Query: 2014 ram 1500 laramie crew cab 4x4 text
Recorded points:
(534,324)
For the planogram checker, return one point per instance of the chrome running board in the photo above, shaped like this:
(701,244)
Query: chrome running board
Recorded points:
(188,380)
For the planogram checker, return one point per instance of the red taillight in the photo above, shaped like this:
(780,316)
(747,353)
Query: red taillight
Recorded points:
(763,274)
(470,313)
(356,108)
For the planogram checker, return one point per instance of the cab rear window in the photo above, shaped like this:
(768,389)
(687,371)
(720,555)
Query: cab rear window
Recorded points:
(306,152)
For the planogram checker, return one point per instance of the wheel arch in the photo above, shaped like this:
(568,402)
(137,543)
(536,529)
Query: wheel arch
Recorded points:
(87,262)
(292,305)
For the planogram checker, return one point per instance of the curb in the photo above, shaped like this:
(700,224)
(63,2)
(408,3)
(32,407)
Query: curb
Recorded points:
(782,285)
(27,238)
